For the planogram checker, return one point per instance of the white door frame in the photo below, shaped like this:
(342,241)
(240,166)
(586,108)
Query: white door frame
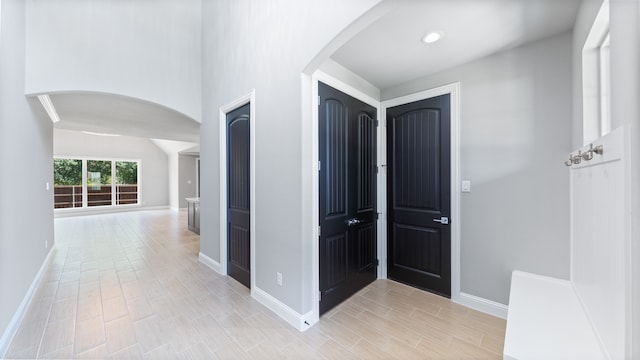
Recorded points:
(454,91)
(224,110)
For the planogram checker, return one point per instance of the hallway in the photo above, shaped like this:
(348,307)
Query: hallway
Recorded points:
(129,286)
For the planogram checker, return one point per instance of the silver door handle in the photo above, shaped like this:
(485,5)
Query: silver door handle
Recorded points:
(352,222)
(443,220)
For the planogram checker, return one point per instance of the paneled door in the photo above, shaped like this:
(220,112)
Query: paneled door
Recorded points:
(238,226)
(348,213)
(419,194)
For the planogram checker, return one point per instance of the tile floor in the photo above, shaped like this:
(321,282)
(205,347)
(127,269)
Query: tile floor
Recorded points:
(129,286)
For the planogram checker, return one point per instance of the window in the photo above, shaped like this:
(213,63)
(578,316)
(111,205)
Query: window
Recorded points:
(605,86)
(126,182)
(67,180)
(83,183)
(99,183)
(596,78)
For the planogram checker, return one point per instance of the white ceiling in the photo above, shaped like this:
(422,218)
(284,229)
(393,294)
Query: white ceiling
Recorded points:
(389,52)
(113,114)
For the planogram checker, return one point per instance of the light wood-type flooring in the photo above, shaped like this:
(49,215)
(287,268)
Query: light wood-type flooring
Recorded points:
(129,286)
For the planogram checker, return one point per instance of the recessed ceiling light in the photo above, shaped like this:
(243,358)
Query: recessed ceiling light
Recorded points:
(432,37)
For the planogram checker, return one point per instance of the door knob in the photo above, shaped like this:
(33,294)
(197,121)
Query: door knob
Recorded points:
(352,222)
(443,220)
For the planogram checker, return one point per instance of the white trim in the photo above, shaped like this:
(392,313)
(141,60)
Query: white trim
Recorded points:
(316,77)
(249,98)
(48,106)
(63,213)
(591,77)
(209,262)
(198,177)
(484,305)
(301,322)
(454,90)
(18,317)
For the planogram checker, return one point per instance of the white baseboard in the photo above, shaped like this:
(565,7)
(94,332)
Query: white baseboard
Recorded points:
(301,322)
(15,322)
(486,306)
(210,263)
(62,213)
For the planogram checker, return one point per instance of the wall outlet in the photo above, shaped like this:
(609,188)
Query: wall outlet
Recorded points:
(46,244)
(48,185)
(279,278)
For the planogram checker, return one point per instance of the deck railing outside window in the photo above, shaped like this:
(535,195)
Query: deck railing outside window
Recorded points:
(70,196)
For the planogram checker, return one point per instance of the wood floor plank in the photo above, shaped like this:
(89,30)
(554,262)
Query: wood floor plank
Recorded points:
(130,286)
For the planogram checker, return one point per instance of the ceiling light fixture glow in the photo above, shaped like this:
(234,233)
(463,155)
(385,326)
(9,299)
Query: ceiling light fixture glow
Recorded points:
(432,37)
(99,134)
(49,108)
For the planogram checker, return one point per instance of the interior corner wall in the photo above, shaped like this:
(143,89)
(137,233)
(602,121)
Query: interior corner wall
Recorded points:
(187,179)
(265,45)
(350,78)
(174,181)
(26,149)
(515,134)
(154,170)
(624,30)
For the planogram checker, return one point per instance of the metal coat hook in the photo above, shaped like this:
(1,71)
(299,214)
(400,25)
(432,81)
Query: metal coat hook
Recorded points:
(586,156)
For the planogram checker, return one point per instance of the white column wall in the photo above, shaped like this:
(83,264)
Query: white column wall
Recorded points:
(26,166)
(265,45)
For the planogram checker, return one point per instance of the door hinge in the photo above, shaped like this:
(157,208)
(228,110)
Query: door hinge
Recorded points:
(377,262)
(318,100)
(377,122)
(319,295)
(319,165)
(377,215)
(319,230)
(377,169)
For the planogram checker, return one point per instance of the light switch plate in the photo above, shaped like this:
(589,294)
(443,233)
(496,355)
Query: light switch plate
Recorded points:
(466,186)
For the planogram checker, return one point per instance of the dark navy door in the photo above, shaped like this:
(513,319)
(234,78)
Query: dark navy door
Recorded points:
(238,228)
(419,194)
(347,152)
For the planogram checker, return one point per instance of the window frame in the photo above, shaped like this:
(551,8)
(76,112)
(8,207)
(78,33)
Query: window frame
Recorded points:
(596,78)
(85,195)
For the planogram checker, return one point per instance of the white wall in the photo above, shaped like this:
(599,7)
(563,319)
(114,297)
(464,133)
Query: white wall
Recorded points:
(154,177)
(174,181)
(625,110)
(265,45)
(625,92)
(187,178)
(515,134)
(142,49)
(26,206)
